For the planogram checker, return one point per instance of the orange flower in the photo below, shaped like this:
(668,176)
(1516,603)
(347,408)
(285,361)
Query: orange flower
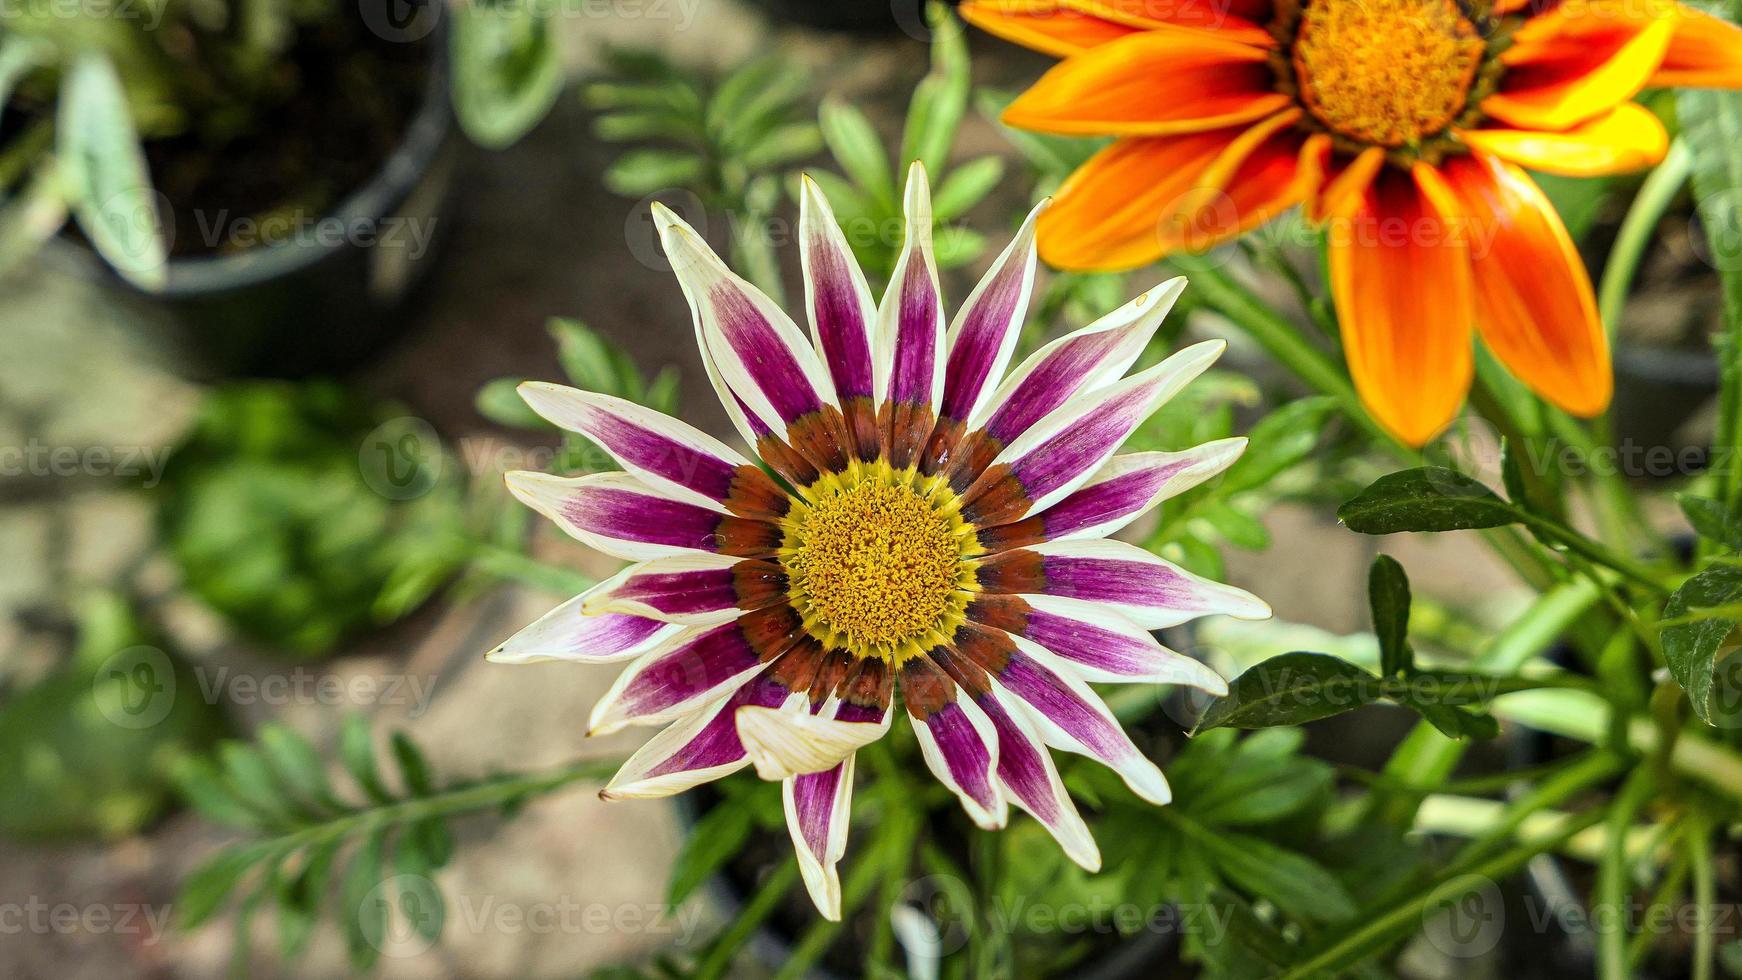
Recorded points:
(1403,125)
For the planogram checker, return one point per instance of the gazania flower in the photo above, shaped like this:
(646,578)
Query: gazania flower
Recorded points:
(922,533)
(1406,122)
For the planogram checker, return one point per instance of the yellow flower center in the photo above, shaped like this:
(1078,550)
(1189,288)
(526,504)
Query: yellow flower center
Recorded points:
(874,560)
(1386,72)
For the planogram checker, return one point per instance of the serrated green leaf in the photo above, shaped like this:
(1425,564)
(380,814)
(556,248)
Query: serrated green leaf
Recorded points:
(966,186)
(1388,598)
(715,839)
(1289,690)
(506,72)
(357,752)
(103,173)
(413,768)
(1692,649)
(1429,498)
(362,906)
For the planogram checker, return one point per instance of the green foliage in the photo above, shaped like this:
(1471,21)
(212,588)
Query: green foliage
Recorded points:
(507,72)
(103,173)
(1429,498)
(87,751)
(302,512)
(1699,619)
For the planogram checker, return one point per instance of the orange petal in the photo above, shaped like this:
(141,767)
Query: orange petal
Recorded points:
(1534,305)
(1255,179)
(1044,25)
(1580,60)
(1239,21)
(1627,138)
(1108,214)
(1341,181)
(1400,277)
(1704,52)
(1154,83)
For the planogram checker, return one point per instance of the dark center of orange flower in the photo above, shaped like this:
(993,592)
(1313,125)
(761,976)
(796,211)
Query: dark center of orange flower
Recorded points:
(1385,72)
(874,562)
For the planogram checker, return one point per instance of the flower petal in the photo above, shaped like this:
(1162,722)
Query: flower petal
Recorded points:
(982,338)
(1534,304)
(1068,715)
(1124,490)
(1109,214)
(1341,181)
(1147,590)
(695,749)
(1046,26)
(956,739)
(910,334)
(695,667)
(1628,137)
(760,355)
(569,633)
(1058,453)
(1255,179)
(1028,776)
(693,589)
(1153,83)
(818,809)
(665,452)
(1100,644)
(1085,360)
(843,316)
(1704,52)
(793,740)
(625,518)
(1580,60)
(1400,277)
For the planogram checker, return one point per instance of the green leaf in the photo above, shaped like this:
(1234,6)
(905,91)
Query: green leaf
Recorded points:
(784,145)
(413,769)
(1691,649)
(297,764)
(431,836)
(1297,885)
(642,172)
(587,357)
(1248,792)
(1388,597)
(1291,689)
(957,246)
(1430,498)
(1451,720)
(1711,520)
(206,791)
(300,897)
(506,71)
(715,839)
(103,173)
(966,186)
(1239,528)
(857,148)
(420,900)
(357,752)
(1279,440)
(635,125)
(253,781)
(362,907)
(209,884)
(1711,126)
(940,99)
(500,402)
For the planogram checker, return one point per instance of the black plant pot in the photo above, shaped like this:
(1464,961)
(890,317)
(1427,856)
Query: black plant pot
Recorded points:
(337,290)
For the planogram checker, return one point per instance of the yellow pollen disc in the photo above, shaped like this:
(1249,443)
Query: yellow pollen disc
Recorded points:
(1386,72)
(874,560)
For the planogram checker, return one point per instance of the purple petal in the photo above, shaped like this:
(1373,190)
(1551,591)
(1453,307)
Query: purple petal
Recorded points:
(685,672)
(985,331)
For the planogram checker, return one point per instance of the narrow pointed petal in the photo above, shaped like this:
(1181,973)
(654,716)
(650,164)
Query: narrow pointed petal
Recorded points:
(1580,60)
(665,452)
(1704,52)
(1068,715)
(1534,304)
(1088,359)
(1055,456)
(1342,181)
(1126,488)
(818,809)
(694,668)
(1100,644)
(625,518)
(569,633)
(1029,778)
(1153,83)
(983,337)
(1047,28)
(1626,138)
(793,740)
(843,316)
(910,334)
(696,590)
(1149,591)
(1411,360)
(696,749)
(1255,179)
(761,356)
(956,739)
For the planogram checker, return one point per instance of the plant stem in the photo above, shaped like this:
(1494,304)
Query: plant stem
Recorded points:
(750,918)
(1699,845)
(1655,194)
(1612,877)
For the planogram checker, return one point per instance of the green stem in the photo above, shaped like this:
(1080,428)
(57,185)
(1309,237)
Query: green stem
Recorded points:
(761,905)
(1612,874)
(1655,195)
(1699,845)
(1598,553)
